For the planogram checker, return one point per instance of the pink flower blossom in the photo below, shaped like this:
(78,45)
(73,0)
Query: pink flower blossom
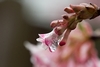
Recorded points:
(50,40)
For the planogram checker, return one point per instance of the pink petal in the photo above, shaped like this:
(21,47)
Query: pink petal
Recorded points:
(41,35)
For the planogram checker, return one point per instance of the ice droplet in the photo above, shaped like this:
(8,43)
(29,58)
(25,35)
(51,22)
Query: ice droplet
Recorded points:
(53,46)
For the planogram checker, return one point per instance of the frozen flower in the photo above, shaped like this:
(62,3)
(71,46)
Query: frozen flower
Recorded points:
(49,39)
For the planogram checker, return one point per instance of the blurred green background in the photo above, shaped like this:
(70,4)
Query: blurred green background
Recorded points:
(22,20)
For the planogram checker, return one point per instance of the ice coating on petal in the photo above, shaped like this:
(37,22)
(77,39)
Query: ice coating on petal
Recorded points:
(53,46)
(49,39)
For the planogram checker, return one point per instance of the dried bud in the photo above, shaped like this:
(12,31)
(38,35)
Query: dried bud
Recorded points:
(77,8)
(54,23)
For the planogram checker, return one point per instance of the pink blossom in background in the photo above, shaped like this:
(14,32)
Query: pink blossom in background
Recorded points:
(79,51)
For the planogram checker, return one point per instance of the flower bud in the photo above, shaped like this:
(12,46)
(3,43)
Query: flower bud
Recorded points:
(77,8)
(54,23)
(69,10)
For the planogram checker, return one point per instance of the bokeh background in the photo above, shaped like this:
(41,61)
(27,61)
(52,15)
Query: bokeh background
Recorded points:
(22,20)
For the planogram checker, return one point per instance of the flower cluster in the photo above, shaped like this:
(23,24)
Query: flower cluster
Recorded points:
(62,28)
(79,51)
